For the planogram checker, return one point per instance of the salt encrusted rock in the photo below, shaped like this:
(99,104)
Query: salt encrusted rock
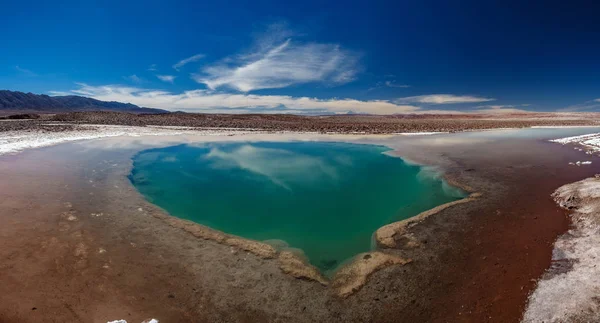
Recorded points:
(257,248)
(395,235)
(350,278)
(293,265)
(260,249)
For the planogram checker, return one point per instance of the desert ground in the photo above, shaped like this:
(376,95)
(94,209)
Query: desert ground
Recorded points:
(374,124)
(80,244)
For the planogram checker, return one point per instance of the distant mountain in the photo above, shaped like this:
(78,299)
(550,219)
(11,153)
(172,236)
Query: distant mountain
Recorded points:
(15,101)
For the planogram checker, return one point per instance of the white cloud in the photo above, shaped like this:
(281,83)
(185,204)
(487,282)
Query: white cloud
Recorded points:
(166,78)
(134,78)
(506,110)
(277,61)
(152,68)
(396,85)
(188,60)
(588,106)
(25,71)
(59,93)
(388,84)
(498,109)
(443,99)
(495,107)
(210,101)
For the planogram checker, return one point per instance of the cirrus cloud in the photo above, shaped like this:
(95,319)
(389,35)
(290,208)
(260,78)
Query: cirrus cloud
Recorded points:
(277,61)
(166,78)
(443,99)
(498,109)
(188,60)
(25,71)
(134,78)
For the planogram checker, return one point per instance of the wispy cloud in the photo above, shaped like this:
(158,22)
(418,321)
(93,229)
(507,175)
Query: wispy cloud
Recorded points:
(498,109)
(210,101)
(396,85)
(388,84)
(134,78)
(443,99)
(25,71)
(166,78)
(152,68)
(592,105)
(60,93)
(188,60)
(278,61)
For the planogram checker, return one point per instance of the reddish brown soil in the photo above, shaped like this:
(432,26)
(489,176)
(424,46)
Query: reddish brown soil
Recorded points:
(336,123)
(506,244)
(477,261)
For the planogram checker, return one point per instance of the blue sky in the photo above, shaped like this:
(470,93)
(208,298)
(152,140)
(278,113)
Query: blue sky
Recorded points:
(308,56)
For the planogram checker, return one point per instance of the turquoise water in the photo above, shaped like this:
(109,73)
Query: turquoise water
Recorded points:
(326,199)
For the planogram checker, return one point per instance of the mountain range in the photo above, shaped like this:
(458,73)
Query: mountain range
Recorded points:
(16,102)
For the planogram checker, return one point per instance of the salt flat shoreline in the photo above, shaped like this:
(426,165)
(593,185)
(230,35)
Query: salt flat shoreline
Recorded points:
(567,291)
(18,135)
(51,129)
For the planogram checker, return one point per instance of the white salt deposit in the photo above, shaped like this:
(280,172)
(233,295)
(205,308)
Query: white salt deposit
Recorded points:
(579,163)
(590,142)
(569,290)
(16,141)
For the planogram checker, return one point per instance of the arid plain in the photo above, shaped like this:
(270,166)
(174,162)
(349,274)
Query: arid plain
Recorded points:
(79,243)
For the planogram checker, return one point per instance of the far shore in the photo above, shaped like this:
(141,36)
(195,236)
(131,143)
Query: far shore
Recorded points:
(347,123)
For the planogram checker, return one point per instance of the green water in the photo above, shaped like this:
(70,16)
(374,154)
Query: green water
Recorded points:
(326,199)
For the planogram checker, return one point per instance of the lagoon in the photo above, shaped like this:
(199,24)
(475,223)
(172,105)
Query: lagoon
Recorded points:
(323,198)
